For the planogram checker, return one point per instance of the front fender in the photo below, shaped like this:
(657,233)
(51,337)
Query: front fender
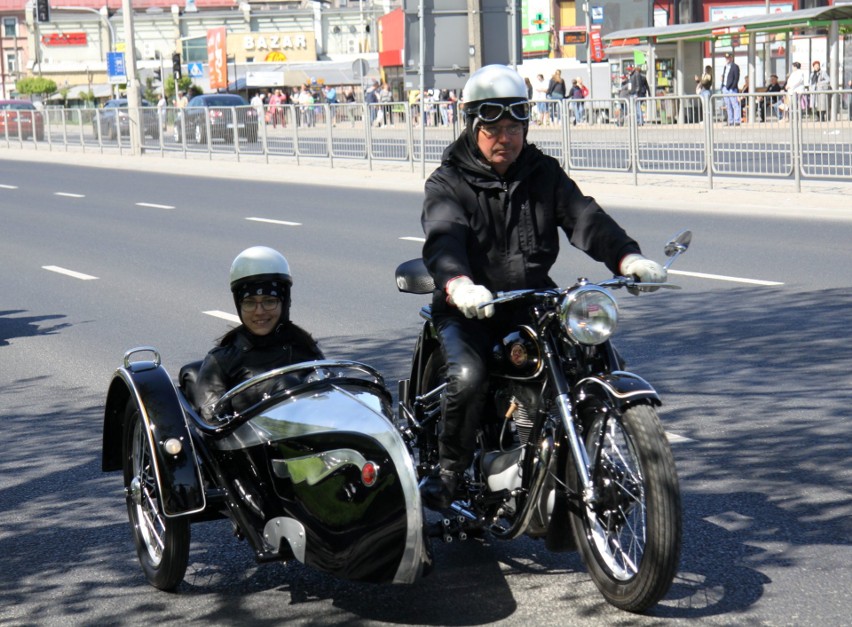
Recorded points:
(622,388)
(148,385)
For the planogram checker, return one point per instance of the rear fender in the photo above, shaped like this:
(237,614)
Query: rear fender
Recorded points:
(427,343)
(622,388)
(149,386)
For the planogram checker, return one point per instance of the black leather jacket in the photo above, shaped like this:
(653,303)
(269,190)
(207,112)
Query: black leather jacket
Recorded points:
(243,355)
(503,232)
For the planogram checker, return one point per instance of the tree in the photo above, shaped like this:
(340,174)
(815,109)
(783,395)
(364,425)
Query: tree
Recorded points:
(183,85)
(36,85)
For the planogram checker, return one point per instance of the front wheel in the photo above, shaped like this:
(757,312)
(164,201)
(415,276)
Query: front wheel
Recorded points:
(629,535)
(162,544)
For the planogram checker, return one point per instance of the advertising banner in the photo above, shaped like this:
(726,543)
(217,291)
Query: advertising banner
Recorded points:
(217,58)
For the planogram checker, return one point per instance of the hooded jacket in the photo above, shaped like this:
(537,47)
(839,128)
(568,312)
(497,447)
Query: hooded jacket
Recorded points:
(503,232)
(243,355)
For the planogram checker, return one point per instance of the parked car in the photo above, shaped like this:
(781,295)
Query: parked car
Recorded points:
(118,107)
(226,113)
(18,118)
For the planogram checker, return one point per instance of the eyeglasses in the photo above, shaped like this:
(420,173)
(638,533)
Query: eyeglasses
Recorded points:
(493,111)
(492,131)
(267,304)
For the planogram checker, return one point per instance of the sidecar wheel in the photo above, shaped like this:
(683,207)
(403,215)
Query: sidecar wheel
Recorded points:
(162,544)
(630,537)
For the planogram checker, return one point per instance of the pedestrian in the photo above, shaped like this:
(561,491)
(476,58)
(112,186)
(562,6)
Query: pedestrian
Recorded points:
(819,82)
(540,113)
(556,91)
(491,216)
(795,87)
(773,103)
(161,111)
(575,96)
(637,87)
(730,85)
(265,339)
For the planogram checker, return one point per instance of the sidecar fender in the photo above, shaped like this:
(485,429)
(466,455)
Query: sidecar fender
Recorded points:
(622,388)
(150,387)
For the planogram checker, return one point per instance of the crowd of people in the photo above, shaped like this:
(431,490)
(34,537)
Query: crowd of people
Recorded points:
(801,91)
(440,107)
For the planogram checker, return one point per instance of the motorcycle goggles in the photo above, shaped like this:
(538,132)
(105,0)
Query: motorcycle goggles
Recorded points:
(493,111)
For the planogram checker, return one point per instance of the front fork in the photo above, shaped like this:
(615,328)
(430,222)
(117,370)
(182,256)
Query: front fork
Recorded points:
(566,413)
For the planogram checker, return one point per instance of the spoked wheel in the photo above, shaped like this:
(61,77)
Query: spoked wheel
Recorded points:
(629,537)
(162,544)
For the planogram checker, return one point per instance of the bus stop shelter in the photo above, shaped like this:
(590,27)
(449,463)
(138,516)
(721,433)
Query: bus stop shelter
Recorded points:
(647,39)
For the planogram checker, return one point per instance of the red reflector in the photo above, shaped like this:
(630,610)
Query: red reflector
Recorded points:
(369,474)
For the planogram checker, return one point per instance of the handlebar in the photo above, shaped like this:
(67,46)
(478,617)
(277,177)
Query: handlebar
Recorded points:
(615,282)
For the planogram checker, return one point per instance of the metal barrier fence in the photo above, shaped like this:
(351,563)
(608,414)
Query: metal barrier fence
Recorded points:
(755,134)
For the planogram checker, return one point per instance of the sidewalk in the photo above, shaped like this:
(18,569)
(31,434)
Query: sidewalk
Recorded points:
(776,197)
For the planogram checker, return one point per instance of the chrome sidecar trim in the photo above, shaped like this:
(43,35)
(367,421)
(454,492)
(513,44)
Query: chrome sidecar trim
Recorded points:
(288,529)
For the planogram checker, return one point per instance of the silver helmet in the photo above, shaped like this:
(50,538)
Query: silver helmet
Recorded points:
(497,84)
(259,264)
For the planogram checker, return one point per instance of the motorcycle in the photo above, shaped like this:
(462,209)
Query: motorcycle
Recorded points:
(315,471)
(570,448)
(322,471)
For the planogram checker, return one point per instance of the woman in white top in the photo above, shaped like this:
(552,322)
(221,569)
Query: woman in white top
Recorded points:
(794,86)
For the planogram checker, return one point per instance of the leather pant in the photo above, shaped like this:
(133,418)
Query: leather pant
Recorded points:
(466,346)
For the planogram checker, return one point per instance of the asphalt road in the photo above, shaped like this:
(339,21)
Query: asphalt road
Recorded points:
(751,358)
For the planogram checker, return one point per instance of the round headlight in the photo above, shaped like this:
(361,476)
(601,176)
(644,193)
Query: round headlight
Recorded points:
(589,315)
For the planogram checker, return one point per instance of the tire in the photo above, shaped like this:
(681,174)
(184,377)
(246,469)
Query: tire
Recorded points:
(641,518)
(111,133)
(162,544)
(200,134)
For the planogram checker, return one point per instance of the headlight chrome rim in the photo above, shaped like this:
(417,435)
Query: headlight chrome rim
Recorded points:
(589,315)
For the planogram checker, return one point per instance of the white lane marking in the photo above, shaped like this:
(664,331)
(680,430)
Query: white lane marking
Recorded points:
(673,437)
(69,195)
(8,187)
(413,239)
(224,315)
(282,222)
(153,205)
(719,277)
(71,273)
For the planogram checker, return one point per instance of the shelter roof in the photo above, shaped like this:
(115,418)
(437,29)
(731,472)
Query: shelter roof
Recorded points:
(702,31)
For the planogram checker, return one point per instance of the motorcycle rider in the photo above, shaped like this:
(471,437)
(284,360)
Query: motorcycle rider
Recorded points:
(491,216)
(266,339)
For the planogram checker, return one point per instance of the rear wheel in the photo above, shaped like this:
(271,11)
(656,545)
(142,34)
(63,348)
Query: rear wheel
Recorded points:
(162,544)
(629,537)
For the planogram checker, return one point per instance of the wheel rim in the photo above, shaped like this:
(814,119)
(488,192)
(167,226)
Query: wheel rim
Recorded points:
(150,524)
(617,521)
(199,135)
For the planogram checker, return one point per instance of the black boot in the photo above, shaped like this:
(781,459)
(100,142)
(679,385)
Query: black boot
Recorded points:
(438,490)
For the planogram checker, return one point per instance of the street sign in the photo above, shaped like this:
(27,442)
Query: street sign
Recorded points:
(195,69)
(116,69)
(360,67)
(597,15)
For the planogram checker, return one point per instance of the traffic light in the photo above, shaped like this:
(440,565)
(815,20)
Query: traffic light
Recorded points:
(158,74)
(176,65)
(43,10)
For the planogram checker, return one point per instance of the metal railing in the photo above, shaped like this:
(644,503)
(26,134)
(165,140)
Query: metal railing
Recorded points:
(755,134)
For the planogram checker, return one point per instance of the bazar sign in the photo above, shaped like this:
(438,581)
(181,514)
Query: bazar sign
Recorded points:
(275,41)
(64,39)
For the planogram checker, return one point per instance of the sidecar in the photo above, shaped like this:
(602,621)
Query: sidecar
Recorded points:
(315,471)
